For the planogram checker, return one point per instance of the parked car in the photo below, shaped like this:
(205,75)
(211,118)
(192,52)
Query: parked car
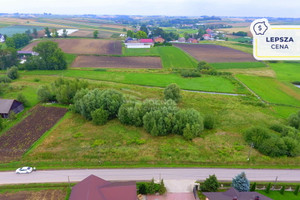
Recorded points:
(24,170)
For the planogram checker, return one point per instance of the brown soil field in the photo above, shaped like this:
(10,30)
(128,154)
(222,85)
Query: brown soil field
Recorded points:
(215,53)
(85,46)
(16,141)
(117,62)
(82,33)
(34,195)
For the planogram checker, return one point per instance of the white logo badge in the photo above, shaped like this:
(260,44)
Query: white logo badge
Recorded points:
(275,42)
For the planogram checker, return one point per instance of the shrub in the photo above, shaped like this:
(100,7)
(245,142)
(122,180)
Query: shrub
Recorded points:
(296,191)
(21,98)
(187,73)
(130,114)
(253,187)
(44,94)
(12,73)
(162,188)
(172,91)
(210,184)
(5,79)
(203,65)
(294,120)
(209,122)
(241,183)
(282,190)
(273,146)
(1,124)
(99,116)
(256,135)
(267,190)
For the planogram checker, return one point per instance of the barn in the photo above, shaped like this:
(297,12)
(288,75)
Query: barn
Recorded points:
(10,105)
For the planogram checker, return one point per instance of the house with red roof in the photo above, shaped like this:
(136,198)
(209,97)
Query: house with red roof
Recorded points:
(147,41)
(95,188)
(206,37)
(159,39)
(209,31)
(192,40)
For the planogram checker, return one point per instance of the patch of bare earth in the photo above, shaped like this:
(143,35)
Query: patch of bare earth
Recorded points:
(85,46)
(34,195)
(117,62)
(215,53)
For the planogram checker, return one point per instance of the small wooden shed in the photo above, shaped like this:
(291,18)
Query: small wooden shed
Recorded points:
(10,105)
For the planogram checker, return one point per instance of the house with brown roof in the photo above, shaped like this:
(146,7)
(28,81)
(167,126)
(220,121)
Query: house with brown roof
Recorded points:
(95,188)
(159,40)
(233,194)
(10,105)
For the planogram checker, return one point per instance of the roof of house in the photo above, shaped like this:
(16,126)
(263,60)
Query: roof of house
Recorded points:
(5,105)
(181,39)
(206,35)
(231,193)
(146,40)
(24,52)
(95,188)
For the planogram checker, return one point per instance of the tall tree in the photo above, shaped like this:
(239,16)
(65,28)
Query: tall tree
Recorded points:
(65,33)
(141,35)
(47,32)
(54,33)
(241,183)
(53,56)
(210,184)
(95,33)
(144,28)
(35,33)
(130,33)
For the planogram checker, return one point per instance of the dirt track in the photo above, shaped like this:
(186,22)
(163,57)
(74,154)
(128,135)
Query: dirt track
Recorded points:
(215,53)
(117,62)
(85,46)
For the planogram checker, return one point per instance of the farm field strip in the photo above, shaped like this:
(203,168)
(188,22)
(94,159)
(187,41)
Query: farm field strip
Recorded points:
(215,53)
(85,46)
(16,141)
(117,62)
(204,83)
(272,90)
(237,65)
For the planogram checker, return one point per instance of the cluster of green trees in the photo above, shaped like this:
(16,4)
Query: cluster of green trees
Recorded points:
(98,105)
(278,140)
(51,57)
(61,90)
(138,34)
(168,36)
(18,40)
(294,120)
(162,118)
(240,33)
(8,58)
(202,68)
(54,33)
(151,187)
(11,74)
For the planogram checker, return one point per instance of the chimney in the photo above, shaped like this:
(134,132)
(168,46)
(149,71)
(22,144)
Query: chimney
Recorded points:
(257,198)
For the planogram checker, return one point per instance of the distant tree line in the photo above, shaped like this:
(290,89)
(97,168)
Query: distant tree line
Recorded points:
(240,33)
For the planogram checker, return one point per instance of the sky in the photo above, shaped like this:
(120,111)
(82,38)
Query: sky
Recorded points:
(245,8)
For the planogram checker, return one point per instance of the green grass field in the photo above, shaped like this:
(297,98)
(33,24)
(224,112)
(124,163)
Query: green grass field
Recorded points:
(272,90)
(275,195)
(240,65)
(171,57)
(205,83)
(286,71)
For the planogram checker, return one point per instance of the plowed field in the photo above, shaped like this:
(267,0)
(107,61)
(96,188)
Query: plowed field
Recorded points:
(215,53)
(85,46)
(117,62)
(34,195)
(15,142)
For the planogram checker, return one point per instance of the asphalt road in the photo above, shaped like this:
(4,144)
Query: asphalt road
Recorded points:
(176,179)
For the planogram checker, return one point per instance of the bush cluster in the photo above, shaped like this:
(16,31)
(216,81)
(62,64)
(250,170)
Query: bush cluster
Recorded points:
(202,68)
(294,120)
(12,73)
(5,79)
(87,102)
(210,184)
(61,90)
(162,118)
(151,187)
(277,141)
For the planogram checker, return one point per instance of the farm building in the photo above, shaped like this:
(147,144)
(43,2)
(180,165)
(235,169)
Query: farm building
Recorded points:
(95,188)
(2,38)
(192,40)
(27,53)
(137,45)
(147,41)
(233,194)
(10,105)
